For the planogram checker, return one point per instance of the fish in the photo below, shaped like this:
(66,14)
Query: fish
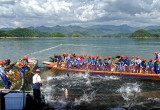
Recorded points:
(76,100)
(66,93)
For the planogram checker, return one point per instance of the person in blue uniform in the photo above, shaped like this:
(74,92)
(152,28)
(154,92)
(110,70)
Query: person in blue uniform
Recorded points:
(25,61)
(67,59)
(151,66)
(156,68)
(77,63)
(85,61)
(96,62)
(89,62)
(121,66)
(156,53)
(37,83)
(22,70)
(137,65)
(143,64)
(109,63)
(100,64)
(59,60)
(3,75)
(132,64)
(93,63)
(105,64)
(127,64)
(71,62)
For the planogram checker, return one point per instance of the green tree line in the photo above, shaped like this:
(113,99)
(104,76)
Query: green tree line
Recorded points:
(25,32)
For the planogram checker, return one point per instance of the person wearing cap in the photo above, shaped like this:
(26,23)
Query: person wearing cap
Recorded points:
(156,68)
(127,64)
(25,61)
(97,62)
(105,64)
(121,65)
(77,63)
(37,82)
(151,65)
(109,63)
(137,65)
(132,64)
(22,70)
(7,62)
(81,61)
(157,56)
(143,64)
(3,75)
(89,62)
(100,64)
(93,63)
(85,61)
(59,60)
(67,60)
(71,62)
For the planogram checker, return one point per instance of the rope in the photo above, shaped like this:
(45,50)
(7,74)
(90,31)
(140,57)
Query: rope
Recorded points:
(43,50)
(59,46)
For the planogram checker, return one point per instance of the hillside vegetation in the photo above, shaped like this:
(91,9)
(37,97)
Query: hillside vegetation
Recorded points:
(142,34)
(26,32)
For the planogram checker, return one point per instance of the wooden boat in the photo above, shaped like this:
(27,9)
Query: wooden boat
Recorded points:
(15,78)
(62,69)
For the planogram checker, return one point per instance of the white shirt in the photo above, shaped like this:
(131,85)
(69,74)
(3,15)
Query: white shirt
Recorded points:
(2,70)
(36,78)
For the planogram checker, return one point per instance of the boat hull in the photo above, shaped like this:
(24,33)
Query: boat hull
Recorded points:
(142,76)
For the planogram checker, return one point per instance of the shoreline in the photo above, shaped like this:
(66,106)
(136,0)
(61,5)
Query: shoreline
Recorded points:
(80,37)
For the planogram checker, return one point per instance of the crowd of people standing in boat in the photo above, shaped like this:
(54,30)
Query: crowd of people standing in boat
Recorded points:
(117,64)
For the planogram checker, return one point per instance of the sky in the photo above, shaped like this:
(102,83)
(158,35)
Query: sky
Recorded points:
(25,13)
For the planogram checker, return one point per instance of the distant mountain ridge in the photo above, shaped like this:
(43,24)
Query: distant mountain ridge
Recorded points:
(95,30)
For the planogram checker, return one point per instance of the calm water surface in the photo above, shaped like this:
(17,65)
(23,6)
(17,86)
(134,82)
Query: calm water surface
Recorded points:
(92,92)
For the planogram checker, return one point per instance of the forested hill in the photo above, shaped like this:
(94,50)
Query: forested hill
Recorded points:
(144,34)
(25,32)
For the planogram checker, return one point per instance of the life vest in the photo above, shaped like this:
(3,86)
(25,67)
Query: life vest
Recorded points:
(85,60)
(89,61)
(143,65)
(100,63)
(132,61)
(126,62)
(77,62)
(105,62)
(59,59)
(93,62)
(150,64)
(138,62)
(109,62)
(21,70)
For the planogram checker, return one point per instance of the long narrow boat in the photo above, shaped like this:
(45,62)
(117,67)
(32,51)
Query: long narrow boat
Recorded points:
(62,69)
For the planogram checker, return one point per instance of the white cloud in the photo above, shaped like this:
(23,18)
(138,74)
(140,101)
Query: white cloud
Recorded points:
(66,12)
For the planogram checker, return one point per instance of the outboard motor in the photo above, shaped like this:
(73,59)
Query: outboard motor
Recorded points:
(7,62)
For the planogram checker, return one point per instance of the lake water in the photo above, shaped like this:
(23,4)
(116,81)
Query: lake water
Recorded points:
(92,92)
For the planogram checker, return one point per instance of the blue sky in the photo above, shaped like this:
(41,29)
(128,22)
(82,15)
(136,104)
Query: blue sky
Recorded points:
(24,13)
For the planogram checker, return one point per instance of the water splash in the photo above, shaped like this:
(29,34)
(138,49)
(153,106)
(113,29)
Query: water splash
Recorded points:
(128,92)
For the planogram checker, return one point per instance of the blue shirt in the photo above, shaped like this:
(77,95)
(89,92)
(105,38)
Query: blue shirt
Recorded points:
(93,62)
(126,62)
(59,59)
(89,61)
